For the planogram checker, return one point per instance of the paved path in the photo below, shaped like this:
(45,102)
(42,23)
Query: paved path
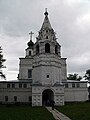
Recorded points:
(57,115)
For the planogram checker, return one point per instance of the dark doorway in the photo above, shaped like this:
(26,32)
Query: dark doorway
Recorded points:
(47,96)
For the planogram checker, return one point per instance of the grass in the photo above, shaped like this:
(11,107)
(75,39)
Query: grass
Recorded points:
(24,113)
(76,111)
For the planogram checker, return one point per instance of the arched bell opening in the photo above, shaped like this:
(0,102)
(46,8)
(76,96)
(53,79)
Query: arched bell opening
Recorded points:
(56,49)
(47,48)
(37,49)
(47,96)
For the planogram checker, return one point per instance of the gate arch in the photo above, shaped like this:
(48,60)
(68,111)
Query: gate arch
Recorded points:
(47,96)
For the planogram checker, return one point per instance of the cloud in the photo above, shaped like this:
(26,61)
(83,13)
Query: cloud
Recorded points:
(69,18)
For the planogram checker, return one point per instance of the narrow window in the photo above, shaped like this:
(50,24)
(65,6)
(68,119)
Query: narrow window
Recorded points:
(37,49)
(30,98)
(13,85)
(46,37)
(20,85)
(24,85)
(78,85)
(56,49)
(29,53)
(47,76)
(6,98)
(15,98)
(46,31)
(8,85)
(29,73)
(47,48)
(66,85)
(73,85)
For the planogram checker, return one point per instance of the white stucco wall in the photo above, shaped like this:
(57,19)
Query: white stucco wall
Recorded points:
(38,90)
(24,65)
(77,93)
(40,74)
(21,93)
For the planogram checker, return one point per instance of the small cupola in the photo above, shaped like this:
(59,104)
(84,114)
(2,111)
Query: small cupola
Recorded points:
(30,44)
(29,50)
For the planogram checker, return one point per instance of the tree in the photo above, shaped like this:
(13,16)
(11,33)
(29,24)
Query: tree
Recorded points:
(87,75)
(2,60)
(74,77)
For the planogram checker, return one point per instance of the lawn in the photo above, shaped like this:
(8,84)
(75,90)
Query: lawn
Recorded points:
(76,111)
(24,113)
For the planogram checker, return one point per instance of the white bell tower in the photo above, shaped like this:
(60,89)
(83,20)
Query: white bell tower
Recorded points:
(48,66)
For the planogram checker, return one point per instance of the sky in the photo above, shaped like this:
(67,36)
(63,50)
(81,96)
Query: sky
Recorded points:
(70,19)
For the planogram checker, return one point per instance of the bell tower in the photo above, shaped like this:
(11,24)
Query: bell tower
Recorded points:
(43,63)
(46,41)
(48,64)
(43,67)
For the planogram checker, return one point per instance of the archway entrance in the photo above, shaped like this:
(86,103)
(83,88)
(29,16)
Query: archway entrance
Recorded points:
(47,96)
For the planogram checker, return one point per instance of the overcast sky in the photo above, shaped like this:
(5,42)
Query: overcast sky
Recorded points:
(69,18)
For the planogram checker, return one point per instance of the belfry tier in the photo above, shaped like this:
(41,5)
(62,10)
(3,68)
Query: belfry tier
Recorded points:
(47,37)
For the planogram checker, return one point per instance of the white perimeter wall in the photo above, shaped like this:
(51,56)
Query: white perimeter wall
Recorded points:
(22,95)
(75,94)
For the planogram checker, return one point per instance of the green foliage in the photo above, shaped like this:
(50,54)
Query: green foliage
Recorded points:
(87,75)
(24,113)
(76,111)
(2,60)
(74,77)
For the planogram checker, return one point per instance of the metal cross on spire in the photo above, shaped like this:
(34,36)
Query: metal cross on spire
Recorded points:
(45,9)
(46,13)
(31,33)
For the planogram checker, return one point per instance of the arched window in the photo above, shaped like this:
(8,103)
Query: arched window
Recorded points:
(15,98)
(46,37)
(37,49)
(30,99)
(29,53)
(6,98)
(30,73)
(46,31)
(56,49)
(47,48)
